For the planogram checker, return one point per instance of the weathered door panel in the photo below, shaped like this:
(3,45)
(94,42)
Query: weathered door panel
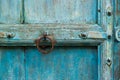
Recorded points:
(64,63)
(10,11)
(73,24)
(60,11)
(12,63)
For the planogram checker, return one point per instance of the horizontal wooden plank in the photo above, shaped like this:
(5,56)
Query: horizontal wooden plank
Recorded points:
(89,42)
(63,33)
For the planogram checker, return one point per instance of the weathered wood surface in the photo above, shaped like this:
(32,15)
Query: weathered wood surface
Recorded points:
(117,61)
(63,63)
(10,11)
(26,34)
(117,12)
(107,46)
(73,18)
(117,43)
(12,63)
(60,11)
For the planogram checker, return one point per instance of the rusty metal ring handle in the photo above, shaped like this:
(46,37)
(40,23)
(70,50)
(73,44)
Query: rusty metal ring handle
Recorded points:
(38,42)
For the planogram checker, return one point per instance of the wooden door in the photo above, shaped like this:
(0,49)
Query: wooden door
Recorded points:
(82,31)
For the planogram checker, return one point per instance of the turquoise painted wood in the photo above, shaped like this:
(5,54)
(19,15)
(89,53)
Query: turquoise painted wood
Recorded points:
(64,63)
(10,11)
(12,63)
(84,39)
(60,11)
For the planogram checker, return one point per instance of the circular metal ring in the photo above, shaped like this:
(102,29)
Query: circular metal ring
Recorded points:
(38,42)
(117,34)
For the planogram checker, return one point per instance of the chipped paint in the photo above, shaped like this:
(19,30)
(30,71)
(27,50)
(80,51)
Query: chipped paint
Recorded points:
(2,34)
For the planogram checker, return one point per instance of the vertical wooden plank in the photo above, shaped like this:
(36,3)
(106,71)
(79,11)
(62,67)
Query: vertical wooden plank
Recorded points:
(117,61)
(103,14)
(107,46)
(117,12)
(64,63)
(117,44)
(60,11)
(10,11)
(99,62)
(99,12)
(22,18)
(11,63)
(107,61)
